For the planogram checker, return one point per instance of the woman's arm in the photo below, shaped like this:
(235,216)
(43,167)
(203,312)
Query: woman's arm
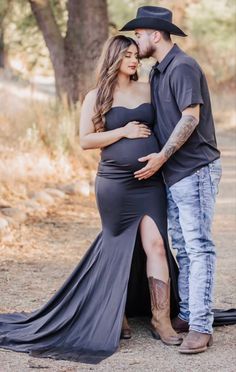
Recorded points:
(89,139)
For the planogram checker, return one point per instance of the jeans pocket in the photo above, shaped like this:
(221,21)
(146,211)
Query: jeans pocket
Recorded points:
(215,171)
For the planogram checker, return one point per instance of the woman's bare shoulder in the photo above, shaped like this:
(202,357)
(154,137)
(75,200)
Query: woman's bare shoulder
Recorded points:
(91,96)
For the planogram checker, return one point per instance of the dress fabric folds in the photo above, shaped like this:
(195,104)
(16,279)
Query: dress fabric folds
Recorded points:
(82,321)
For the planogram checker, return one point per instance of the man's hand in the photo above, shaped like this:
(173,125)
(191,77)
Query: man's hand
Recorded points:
(155,162)
(184,128)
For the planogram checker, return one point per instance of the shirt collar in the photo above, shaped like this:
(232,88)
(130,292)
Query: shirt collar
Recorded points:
(167,59)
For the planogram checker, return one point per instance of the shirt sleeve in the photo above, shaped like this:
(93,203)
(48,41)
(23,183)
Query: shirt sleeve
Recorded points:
(186,85)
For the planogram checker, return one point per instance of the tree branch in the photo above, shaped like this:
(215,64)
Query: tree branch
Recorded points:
(47,24)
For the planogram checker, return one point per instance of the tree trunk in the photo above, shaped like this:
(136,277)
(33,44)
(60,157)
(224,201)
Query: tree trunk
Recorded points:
(87,30)
(53,39)
(2,49)
(4,9)
(74,57)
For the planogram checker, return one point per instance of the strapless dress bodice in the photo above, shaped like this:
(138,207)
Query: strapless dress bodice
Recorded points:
(126,152)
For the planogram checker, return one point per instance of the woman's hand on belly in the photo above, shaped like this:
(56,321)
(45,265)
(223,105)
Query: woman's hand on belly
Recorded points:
(127,152)
(135,129)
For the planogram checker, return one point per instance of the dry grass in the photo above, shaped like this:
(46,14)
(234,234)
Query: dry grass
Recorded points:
(39,141)
(39,137)
(38,145)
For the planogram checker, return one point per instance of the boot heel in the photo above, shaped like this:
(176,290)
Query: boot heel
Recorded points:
(210,342)
(155,334)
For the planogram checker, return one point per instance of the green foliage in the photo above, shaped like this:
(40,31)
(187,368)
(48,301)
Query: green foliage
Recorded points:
(60,12)
(212,26)
(209,24)
(23,39)
(121,11)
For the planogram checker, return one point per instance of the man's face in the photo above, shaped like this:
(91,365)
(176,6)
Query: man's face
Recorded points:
(144,41)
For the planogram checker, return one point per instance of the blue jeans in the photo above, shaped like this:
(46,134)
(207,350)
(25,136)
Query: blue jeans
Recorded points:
(190,213)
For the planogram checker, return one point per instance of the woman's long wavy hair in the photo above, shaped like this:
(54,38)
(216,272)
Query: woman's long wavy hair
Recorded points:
(107,75)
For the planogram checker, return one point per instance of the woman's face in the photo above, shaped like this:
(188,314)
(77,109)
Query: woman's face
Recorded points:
(130,61)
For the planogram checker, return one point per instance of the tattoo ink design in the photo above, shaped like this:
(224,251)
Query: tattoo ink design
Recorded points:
(180,134)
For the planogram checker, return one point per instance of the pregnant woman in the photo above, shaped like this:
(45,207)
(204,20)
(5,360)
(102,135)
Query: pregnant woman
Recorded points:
(130,258)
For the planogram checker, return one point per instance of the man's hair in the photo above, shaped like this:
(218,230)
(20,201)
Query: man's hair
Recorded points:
(165,35)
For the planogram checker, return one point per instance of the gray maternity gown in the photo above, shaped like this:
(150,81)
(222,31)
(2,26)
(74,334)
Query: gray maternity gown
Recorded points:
(82,321)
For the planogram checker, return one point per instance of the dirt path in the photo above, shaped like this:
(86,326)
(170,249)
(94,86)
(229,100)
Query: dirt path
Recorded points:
(41,254)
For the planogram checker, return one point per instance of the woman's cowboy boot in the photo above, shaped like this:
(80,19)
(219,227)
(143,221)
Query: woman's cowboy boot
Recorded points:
(125,330)
(161,327)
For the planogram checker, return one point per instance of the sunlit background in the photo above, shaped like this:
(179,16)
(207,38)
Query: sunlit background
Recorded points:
(48,215)
(38,131)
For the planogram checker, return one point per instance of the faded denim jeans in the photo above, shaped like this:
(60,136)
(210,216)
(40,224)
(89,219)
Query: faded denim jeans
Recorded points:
(190,213)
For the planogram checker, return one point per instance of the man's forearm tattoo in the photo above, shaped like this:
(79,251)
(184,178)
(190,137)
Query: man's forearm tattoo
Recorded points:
(180,134)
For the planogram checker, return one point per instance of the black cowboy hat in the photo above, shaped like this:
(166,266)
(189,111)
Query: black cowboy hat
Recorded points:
(153,17)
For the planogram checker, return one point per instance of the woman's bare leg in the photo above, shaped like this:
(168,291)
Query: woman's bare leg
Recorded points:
(153,245)
(159,282)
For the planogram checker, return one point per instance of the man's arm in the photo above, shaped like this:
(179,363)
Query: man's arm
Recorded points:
(181,133)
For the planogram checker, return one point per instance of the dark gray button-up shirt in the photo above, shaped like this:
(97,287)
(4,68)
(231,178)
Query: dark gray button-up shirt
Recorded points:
(176,83)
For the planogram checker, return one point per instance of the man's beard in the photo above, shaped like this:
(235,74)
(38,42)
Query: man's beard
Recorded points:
(150,50)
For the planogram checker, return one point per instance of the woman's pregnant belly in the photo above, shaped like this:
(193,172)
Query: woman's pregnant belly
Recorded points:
(126,152)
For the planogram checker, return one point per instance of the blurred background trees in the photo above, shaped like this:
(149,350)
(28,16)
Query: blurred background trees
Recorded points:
(64,37)
(72,55)
(213,28)
(4,10)
(49,46)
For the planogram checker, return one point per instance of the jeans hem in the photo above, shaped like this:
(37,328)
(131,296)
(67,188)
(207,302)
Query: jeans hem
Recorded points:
(192,328)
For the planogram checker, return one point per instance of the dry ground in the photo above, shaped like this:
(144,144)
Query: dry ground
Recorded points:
(41,253)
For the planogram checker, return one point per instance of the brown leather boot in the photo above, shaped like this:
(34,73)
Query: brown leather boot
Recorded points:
(125,331)
(196,342)
(161,327)
(180,325)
